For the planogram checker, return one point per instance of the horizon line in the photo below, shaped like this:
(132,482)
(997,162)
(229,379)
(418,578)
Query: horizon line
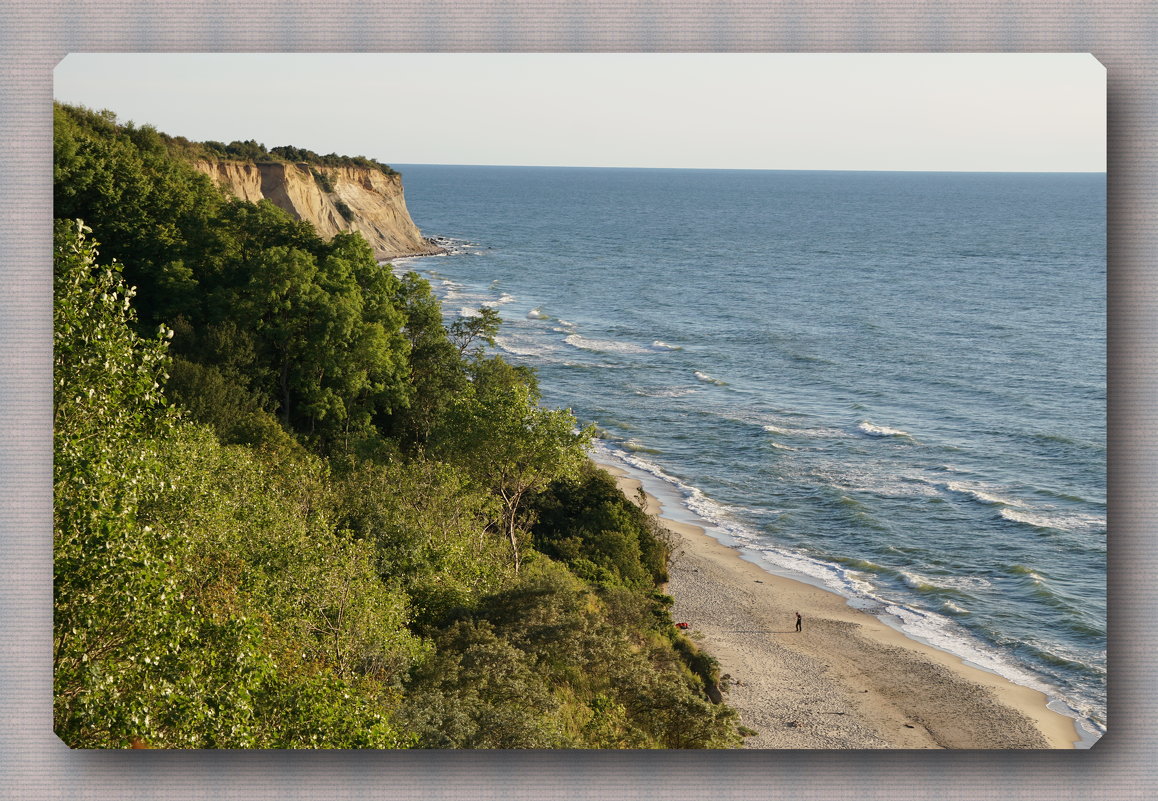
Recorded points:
(744,169)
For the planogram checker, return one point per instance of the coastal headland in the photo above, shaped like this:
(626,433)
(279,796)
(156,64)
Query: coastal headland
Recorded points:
(846,680)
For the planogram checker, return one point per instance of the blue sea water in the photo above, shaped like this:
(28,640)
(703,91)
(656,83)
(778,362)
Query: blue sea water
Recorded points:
(890,384)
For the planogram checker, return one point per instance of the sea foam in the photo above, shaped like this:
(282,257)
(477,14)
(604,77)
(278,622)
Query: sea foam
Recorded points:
(873,430)
(603,345)
(707,379)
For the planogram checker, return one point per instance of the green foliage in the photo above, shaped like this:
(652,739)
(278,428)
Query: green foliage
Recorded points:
(509,443)
(470,333)
(427,524)
(323,180)
(586,522)
(294,509)
(578,662)
(251,150)
(168,625)
(150,211)
(437,374)
(299,155)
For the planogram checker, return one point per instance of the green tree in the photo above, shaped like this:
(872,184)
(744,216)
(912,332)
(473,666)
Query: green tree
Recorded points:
(510,443)
(115,593)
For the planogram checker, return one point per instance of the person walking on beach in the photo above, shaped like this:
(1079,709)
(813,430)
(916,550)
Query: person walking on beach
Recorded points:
(798,621)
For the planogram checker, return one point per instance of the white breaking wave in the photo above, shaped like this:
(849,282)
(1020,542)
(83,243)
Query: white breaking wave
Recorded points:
(505,298)
(941,632)
(976,494)
(537,314)
(603,345)
(873,430)
(1062,521)
(659,345)
(963,583)
(935,628)
(707,379)
(468,311)
(524,346)
(771,429)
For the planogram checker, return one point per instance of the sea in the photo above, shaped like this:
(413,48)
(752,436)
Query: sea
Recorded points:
(888,384)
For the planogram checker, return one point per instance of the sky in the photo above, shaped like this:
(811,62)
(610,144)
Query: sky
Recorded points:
(945,112)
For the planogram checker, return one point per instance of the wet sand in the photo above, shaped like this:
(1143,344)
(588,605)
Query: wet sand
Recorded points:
(846,680)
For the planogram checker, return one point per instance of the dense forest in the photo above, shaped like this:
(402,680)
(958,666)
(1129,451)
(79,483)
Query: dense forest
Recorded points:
(296,508)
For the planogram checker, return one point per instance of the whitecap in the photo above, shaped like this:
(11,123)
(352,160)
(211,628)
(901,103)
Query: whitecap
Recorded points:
(603,345)
(1060,521)
(537,314)
(941,632)
(524,346)
(873,430)
(976,494)
(771,429)
(707,379)
(660,345)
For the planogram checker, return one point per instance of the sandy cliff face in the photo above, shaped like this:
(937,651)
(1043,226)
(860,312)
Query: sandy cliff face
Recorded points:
(372,201)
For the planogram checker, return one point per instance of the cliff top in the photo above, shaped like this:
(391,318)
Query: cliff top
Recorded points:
(251,150)
(248,150)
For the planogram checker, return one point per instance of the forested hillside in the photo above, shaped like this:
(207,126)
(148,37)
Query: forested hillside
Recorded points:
(294,509)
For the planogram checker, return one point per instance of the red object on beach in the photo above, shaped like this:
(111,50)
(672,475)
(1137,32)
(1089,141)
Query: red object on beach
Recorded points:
(683,625)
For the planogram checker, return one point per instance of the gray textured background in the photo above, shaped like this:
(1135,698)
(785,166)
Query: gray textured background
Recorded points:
(33,37)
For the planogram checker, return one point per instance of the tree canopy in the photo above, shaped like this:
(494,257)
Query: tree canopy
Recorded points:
(295,507)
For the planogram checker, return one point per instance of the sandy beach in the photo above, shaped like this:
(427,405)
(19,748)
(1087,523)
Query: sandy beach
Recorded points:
(846,680)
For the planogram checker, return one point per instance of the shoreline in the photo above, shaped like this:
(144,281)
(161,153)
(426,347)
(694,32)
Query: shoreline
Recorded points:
(847,680)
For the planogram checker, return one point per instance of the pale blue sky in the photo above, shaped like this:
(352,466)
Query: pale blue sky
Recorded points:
(973,112)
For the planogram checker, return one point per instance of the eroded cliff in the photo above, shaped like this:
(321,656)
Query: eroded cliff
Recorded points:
(332,198)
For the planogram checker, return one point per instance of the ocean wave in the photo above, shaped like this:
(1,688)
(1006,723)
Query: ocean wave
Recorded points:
(942,632)
(782,447)
(659,345)
(771,429)
(494,304)
(873,430)
(537,314)
(842,580)
(635,446)
(665,392)
(1028,572)
(940,585)
(524,346)
(468,311)
(976,494)
(707,379)
(827,433)
(938,628)
(1078,522)
(603,345)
